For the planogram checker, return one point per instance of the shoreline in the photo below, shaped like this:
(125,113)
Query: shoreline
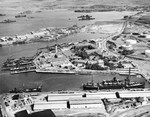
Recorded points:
(43,35)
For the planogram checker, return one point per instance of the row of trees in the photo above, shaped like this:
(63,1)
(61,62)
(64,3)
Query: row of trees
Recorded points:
(95,66)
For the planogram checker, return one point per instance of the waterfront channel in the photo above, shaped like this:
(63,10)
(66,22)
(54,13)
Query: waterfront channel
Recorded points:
(49,81)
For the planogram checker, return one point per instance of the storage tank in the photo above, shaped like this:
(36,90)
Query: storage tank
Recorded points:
(131,42)
(147,52)
(101,62)
(147,36)
(127,47)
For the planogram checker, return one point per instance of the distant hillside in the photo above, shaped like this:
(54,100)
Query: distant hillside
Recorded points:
(69,3)
(100,2)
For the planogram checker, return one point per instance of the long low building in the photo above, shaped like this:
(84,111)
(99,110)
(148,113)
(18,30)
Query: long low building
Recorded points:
(62,97)
(43,106)
(85,103)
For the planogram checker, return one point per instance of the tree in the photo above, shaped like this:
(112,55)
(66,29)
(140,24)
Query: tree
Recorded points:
(127,52)
(120,65)
(95,66)
(82,54)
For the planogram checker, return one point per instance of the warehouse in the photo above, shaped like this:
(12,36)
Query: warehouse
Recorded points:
(62,97)
(85,103)
(50,105)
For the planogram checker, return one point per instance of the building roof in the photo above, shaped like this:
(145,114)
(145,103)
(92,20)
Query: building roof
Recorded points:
(85,101)
(45,113)
(80,61)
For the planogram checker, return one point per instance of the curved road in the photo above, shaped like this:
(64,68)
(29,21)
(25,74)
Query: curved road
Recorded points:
(103,43)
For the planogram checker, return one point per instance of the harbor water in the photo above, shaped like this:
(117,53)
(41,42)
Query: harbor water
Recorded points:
(53,82)
(52,18)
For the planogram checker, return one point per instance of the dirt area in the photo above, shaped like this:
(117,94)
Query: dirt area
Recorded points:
(139,111)
(95,112)
(103,28)
(143,66)
(131,28)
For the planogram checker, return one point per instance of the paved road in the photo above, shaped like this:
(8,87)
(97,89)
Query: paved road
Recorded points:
(104,41)
(101,94)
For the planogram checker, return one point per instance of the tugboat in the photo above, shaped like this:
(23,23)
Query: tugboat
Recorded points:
(26,90)
(85,17)
(113,84)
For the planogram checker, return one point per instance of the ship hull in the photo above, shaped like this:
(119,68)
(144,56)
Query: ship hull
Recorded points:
(87,19)
(90,88)
(132,86)
(135,86)
(111,87)
(121,86)
(55,72)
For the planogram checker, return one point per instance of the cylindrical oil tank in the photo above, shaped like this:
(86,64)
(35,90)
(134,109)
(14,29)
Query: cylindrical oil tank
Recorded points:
(131,42)
(127,47)
(147,52)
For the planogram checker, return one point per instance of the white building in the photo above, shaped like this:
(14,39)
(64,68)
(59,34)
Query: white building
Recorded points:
(101,62)
(50,105)
(147,36)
